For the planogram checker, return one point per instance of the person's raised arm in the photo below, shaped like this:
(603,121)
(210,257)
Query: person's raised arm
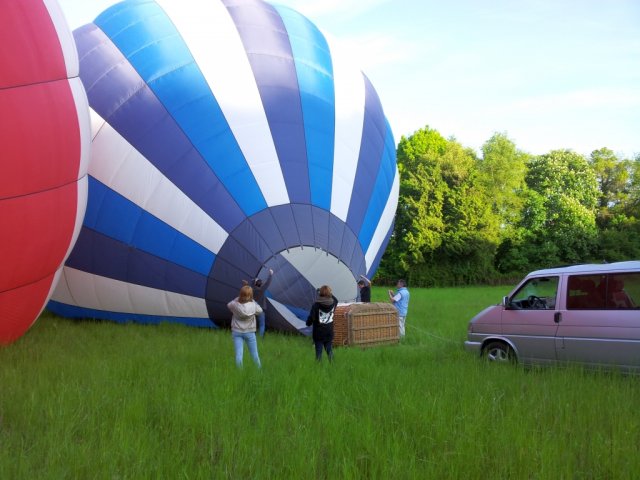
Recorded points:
(268,281)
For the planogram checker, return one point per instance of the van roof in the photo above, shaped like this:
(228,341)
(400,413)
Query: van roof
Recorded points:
(630,266)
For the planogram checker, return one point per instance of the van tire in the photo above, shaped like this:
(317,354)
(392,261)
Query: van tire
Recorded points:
(498,352)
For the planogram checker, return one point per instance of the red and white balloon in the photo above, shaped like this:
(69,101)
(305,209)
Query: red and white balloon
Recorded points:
(44,140)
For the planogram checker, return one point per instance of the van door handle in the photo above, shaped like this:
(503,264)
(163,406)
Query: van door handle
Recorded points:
(557,317)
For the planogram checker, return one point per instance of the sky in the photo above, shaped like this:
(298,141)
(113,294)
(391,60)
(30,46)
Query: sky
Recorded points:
(550,74)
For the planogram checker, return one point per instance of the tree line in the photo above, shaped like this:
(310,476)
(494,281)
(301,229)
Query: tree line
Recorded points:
(466,219)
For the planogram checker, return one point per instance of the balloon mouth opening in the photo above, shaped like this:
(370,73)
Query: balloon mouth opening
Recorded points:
(318,267)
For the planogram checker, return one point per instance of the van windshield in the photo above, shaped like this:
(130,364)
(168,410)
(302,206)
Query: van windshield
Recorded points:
(536,294)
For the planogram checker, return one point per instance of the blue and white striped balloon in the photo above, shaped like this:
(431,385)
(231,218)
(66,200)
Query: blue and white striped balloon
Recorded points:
(229,138)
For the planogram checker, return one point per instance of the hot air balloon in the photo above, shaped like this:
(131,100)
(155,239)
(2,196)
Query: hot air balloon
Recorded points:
(229,138)
(45,137)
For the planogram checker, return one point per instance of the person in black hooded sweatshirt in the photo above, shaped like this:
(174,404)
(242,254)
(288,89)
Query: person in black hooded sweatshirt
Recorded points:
(321,317)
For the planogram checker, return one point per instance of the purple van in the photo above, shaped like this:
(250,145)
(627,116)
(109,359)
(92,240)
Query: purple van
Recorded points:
(586,314)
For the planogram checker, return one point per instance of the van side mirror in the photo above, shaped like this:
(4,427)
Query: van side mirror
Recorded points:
(505,301)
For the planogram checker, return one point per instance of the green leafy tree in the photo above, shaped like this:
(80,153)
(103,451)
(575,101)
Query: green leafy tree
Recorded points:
(469,219)
(632,200)
(445,229)
(424,144)
(563,214)
(461,218)
(527,244)
(419,222)
(502,172)
(620,240)
(613,177)
(619,213)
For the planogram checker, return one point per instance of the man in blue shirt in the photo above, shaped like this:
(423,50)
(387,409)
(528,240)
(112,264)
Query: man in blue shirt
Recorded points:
(400,300)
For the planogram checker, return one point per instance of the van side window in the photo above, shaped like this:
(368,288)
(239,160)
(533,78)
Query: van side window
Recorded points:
(586,292)
(623,291)
(536,294)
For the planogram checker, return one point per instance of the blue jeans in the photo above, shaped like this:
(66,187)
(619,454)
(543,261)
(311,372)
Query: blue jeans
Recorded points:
(250,339)
(328,346)
(261,324)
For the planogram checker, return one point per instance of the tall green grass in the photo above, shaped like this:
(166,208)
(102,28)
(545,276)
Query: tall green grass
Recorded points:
(102,400)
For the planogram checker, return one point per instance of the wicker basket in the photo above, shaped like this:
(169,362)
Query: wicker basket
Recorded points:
(341,325)
(365,324)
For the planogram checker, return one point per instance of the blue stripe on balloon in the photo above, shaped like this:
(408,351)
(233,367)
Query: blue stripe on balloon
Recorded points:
(371,150)
(381,192)
(107,257)
(280,321)
(114,216)
(285,222)
(303,222)
(266,225)
(241,258)
(118,95)
(314,70)
(251,239)
(301,313)
(162,59)
(348,247)
(71,311)
(289,286)
(357,262)
(269,52)
(321,228)
(336,233)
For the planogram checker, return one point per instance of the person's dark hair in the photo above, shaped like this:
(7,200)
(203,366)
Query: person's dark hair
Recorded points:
(258,282)
(402,283)
(361,283)
(324,291)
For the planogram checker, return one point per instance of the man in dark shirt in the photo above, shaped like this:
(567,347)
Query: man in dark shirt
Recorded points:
(364,289)
(259,287)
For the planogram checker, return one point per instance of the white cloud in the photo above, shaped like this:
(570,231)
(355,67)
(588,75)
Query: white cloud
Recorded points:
(624,98)
(371,51)
(550,75)
(346,9)
(368,50)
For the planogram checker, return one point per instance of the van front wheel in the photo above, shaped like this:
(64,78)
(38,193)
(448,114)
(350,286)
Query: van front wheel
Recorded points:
(499,352)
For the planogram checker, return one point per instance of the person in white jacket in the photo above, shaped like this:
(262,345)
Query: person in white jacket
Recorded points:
(243,324)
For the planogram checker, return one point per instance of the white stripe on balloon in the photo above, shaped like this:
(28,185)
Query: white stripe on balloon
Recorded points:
(211,35)
(386,219)
(102,293)
(350,103)
(117,164)
(65,37)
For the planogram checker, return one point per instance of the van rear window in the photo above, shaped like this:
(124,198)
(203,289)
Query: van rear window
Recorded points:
(618,291)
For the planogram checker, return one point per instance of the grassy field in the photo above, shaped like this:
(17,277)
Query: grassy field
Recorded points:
(97,400)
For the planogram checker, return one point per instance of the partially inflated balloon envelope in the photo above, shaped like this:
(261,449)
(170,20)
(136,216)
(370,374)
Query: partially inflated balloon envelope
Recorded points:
(44,135)
(230,138)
